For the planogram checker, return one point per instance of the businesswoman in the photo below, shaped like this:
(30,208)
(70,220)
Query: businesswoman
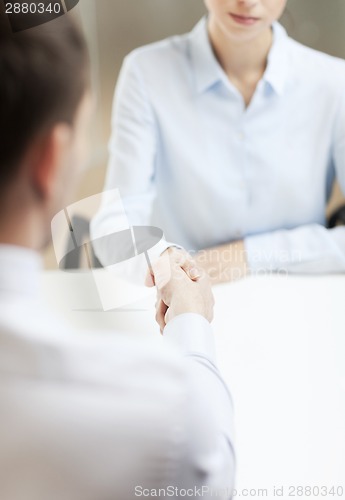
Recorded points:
(229,138)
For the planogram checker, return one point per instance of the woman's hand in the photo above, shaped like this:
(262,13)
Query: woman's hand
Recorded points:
(181,258)
(224,263)
(181,286)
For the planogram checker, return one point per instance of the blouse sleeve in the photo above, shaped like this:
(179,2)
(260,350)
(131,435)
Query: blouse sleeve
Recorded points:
(309,248)
(131,169)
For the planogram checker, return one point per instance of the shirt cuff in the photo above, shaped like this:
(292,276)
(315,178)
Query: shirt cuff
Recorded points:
(267,252)
(192,334)
(155,252)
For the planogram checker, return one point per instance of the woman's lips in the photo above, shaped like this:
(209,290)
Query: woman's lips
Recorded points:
(246,20)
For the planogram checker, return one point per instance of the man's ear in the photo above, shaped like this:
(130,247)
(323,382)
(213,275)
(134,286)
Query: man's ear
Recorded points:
(46,159)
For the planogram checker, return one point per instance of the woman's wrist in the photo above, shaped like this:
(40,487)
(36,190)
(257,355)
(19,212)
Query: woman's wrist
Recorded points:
(224,263)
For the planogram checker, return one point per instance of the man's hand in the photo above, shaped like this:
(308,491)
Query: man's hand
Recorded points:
(181,287)
(182,258)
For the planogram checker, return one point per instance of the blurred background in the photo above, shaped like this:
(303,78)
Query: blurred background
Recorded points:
(115,27)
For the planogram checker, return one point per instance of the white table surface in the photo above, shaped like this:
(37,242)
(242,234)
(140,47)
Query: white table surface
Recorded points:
(281,348)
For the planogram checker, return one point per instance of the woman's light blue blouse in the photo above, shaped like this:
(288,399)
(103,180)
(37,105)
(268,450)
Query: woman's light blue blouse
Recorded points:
(189,157)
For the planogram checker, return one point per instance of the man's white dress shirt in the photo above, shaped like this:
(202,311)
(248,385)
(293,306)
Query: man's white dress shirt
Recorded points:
(188,157)
(93,417)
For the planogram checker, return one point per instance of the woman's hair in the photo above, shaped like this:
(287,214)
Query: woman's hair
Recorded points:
(44,74)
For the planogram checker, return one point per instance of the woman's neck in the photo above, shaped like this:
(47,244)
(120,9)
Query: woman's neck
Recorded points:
(244,61)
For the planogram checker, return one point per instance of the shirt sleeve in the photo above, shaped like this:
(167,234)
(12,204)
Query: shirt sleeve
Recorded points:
(307,249)
(310,248)
(207,461)
(129,189)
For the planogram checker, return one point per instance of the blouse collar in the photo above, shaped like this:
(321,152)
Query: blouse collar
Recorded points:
(208,71)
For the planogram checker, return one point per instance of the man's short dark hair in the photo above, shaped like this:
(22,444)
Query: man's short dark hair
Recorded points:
(44,75)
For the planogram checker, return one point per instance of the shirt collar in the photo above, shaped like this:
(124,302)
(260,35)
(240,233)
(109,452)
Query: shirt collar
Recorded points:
(19,270)
(206,67)
(208,71)
(277,70)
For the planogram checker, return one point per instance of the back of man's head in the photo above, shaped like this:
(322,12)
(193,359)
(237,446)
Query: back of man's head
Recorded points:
(43,78)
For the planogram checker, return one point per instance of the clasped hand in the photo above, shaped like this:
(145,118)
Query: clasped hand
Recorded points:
(181,287)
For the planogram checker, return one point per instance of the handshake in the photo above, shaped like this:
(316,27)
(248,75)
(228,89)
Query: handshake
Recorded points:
(181,287)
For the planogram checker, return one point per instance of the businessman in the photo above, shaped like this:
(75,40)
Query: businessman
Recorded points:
(83,417)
